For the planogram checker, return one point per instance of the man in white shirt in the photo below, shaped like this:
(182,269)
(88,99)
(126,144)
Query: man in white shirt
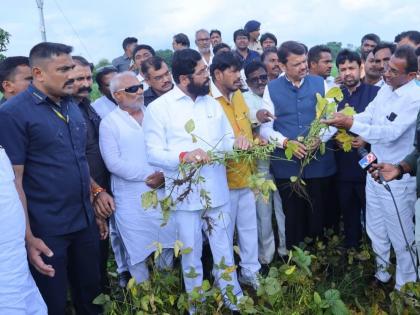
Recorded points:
(105,104)
(382,53)
(169,144)
(123,149)
(388,124)
(257,79)
(18,291)
(141,53)
(202,41)
(320,63)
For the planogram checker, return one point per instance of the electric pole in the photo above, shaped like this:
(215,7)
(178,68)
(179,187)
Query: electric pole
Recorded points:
(40,4)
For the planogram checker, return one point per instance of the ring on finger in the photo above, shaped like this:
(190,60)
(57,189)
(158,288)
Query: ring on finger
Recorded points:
(198,157)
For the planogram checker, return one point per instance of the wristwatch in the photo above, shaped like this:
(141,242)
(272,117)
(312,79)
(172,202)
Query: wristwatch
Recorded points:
(400,169)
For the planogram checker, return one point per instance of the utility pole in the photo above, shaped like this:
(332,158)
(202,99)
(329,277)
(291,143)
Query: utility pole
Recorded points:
(40,4)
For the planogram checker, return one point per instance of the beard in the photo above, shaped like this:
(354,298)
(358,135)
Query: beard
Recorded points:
(199,90)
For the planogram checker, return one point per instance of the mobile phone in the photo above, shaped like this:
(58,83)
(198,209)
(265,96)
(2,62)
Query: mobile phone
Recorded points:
(366,161)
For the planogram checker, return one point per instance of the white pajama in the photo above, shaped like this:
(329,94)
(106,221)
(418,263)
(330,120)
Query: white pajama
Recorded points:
(117,246)
(266,241)
(384,229)
(244,220)
(189,225)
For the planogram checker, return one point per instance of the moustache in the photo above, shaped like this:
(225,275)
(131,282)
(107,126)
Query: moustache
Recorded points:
(84,89)
(69,82)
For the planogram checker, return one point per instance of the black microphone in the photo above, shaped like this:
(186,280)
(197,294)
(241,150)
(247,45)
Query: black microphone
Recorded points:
(366,161)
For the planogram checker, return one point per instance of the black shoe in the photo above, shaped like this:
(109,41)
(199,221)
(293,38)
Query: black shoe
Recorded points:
(123,279)
(379,284)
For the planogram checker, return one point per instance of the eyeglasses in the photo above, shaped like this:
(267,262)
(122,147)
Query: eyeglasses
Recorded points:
(132,89)
(263,78)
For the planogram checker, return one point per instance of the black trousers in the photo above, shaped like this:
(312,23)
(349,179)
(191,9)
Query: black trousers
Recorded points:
(352,198)
(76,261)
(303,218)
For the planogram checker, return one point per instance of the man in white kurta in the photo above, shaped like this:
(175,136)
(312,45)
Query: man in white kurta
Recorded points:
(168,144)
(122,144)
(19,294)
(388,124)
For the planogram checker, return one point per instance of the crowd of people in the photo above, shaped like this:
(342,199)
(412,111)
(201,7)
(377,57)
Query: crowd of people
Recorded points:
(73,170)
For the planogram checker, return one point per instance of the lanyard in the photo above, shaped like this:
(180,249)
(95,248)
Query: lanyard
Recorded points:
(61,116)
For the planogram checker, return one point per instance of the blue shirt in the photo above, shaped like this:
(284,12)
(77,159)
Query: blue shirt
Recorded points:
(348,168)
(53,152)
(252,55)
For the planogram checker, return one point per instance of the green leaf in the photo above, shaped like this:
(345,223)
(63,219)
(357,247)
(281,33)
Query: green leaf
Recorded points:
(293,179)
(206,285)
(189,126)
(186,251)
(337,307)
(322,148)
(317,298)
(348,110)
(101,299)
(191,273)
(336,93)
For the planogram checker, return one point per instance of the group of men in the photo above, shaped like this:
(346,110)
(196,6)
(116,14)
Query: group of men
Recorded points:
(73,171)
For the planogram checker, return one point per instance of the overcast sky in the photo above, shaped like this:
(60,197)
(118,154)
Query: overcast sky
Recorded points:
(96,28)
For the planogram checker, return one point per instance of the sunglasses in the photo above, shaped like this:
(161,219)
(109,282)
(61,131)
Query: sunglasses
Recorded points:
(262,78)
(132,89)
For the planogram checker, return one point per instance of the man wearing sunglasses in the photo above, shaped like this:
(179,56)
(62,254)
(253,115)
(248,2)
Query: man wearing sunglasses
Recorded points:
(123,149)
(257,79)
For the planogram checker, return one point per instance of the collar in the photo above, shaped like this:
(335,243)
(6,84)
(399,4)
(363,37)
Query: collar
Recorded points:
(357,90)
(177,93)
(40,97)
(125,56)
(150,93)
(300,84)
(215,92)
(404,89)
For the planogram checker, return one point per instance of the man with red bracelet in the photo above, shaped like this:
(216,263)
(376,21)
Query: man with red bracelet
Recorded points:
(168,144)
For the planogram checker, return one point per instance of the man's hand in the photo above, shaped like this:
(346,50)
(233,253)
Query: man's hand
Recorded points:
(339,120)
(36,247)
(260,140)
(301,150)
(264,116)
(388,171)
(103,227)
(358,143)
(104,205)
(242,143)
(314,144)
(156,180)
(196,156)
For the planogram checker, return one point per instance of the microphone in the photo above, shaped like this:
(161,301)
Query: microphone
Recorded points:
(366,161)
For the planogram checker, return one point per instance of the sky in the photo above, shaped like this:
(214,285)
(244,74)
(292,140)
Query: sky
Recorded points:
(96,28)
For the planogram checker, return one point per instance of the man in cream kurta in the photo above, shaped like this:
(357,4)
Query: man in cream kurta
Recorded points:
(123,149)
(169,144)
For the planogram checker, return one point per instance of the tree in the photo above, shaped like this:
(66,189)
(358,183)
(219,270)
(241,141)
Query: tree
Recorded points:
(4,41)
(166,55)
(335,48)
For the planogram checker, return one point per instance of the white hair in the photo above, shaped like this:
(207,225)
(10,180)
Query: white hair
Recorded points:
(202,30)
(115,83)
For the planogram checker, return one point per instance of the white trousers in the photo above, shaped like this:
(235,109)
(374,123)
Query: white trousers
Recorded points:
(384,230)
(190,225)
(117,246)
(266,241)
(140,271)
(244,219)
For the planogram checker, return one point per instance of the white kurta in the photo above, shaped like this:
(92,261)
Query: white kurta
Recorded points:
(389,124)
(18,291)
(122,145)
(103,106)
(166,138)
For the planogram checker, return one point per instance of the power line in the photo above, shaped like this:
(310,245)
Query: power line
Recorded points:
(74,30)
